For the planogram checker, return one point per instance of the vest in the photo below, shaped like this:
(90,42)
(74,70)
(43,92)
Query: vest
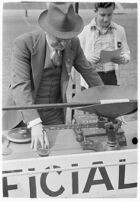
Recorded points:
(50,92)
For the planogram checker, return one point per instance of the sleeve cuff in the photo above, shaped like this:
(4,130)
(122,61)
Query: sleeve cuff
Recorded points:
(34,122)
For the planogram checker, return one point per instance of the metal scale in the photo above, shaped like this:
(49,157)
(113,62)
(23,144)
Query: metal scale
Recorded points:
(111,102)
(108,130)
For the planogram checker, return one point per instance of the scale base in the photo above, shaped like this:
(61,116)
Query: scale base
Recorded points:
(98,146)
(98,141)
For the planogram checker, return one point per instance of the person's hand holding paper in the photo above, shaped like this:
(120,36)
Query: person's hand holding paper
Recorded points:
(119,60)
(94,59)
(111,56)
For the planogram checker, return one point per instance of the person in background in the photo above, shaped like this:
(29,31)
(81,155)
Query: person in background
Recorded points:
(41,68)
(104,34)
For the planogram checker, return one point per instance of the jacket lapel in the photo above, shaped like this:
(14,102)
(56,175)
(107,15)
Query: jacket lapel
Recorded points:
(38,59)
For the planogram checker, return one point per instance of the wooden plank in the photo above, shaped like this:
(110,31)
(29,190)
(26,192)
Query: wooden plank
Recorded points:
(63,142)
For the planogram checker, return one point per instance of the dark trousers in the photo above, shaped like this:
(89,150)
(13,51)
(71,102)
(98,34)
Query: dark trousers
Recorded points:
(108,78)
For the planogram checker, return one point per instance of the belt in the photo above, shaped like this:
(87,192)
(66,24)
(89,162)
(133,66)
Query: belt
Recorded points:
(105,72)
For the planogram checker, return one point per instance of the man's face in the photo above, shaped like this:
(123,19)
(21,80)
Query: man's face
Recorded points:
(57,43)
(104,16)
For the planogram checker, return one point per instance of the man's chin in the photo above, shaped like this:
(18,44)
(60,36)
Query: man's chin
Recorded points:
(105,26)
(60,48)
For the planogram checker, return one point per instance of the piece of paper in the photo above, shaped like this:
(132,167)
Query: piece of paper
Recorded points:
(114,101)
(107,56)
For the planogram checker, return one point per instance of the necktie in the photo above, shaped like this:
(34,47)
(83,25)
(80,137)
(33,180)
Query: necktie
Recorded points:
(56,57)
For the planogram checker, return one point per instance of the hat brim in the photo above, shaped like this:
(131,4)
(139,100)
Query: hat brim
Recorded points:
(47,27)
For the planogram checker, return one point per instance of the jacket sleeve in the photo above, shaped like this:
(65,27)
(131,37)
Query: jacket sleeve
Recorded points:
(21,84)
(125,49)
(82,37)
(84,68)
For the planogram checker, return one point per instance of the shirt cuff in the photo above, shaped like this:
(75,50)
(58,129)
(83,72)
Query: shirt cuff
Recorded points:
(34,122)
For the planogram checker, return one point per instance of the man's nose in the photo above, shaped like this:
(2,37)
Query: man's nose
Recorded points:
(106,19)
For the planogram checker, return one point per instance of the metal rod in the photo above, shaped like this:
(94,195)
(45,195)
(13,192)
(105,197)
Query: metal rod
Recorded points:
(58,105)
(42,106)
(76,7)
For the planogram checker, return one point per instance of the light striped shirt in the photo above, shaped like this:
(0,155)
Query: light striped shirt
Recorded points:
(93,41)
(103,40)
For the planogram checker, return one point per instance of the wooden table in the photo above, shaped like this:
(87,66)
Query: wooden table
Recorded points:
(63,142)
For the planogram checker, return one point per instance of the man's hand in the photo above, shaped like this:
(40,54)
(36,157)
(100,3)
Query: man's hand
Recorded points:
(94,60)
(37,137)
(118,60)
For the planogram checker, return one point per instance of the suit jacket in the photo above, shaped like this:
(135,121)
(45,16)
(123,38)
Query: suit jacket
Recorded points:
(28,60)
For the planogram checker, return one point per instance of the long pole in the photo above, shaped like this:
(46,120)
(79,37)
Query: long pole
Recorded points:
(76,7)
(64,105)
(74,83)
(42,106)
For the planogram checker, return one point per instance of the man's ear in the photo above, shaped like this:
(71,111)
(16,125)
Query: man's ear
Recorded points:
(95,10)
(95,13)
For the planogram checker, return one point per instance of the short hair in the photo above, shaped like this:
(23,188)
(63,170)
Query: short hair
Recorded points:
(103,5)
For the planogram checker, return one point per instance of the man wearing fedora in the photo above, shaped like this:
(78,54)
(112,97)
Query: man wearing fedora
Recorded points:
(41,68)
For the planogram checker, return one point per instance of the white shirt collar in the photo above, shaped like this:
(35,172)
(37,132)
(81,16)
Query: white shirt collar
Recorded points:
(93,24)
(51,48)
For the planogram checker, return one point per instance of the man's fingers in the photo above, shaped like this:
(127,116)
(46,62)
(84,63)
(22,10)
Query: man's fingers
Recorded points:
(35,146)
(96,59)
(41,141)
(32,144)
(46,141)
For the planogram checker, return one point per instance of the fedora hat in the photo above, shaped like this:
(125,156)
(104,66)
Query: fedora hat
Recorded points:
(61,21)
